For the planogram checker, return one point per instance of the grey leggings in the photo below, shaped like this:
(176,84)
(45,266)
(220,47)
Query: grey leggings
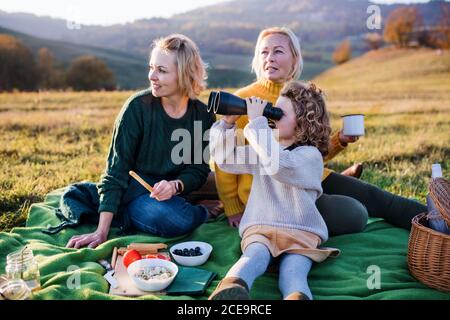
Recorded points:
(347,202)
(294,269)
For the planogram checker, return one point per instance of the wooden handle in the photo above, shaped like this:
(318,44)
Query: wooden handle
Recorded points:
(143,248)
(114,258)
(141,181)
(153,247)
(122,251)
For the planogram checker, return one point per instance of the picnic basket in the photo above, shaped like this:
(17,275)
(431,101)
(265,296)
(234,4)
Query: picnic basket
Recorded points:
(429,250)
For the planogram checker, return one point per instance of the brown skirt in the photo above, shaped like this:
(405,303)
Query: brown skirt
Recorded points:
(281,240)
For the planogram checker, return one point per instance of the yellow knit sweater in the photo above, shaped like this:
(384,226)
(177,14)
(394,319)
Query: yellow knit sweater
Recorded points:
(234,189)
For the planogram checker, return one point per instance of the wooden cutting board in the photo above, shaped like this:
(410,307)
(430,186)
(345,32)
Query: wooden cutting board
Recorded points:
(126,285)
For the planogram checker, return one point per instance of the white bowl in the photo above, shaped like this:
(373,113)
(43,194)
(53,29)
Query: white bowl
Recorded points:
(205,248)
(152,284)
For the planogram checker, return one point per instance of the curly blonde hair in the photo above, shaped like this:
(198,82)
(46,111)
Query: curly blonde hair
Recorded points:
(313,122)
(191,68)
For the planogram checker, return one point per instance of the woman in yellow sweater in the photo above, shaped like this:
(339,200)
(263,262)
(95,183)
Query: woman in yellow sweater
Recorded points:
(347,201)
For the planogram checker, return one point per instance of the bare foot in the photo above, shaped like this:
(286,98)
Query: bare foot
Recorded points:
(214,207)
(354,171)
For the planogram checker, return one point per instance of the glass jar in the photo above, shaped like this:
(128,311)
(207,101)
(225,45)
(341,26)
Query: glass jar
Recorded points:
(23,265)
(14,289)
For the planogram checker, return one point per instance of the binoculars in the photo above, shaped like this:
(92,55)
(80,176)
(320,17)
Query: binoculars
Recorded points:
(227,104)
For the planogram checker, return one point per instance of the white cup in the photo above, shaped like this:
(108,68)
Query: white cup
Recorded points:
(353,125)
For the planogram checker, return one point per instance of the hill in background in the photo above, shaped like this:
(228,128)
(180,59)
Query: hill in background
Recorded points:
(130,69)
(226,34)
(402,72)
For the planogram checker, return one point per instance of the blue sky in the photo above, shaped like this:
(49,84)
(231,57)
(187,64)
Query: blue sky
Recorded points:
(94,11)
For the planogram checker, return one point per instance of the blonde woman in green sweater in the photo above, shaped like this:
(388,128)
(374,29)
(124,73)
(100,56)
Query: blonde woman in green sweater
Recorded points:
(143,141)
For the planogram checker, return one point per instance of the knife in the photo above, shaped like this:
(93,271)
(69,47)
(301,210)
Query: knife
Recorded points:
(109,275)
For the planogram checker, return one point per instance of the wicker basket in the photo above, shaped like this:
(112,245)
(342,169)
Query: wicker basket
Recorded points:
(440,193)
(429,250)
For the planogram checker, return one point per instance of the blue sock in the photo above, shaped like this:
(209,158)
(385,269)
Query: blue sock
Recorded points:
(294,270)
(252,264)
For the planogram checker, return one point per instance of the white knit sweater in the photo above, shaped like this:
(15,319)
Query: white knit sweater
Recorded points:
(286,184)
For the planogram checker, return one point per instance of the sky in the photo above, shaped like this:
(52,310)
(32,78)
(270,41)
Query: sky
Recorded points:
(94,11)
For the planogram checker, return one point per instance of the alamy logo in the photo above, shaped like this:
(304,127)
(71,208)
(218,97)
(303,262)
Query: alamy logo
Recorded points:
(228,149)
(74,280)
(373,22)
(74,14)
(374,280)
(182,153)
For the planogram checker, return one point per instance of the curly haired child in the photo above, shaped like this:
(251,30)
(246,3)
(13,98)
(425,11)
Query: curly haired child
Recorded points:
(281,218)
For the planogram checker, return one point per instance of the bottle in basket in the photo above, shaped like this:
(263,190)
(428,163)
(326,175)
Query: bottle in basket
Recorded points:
(435,220)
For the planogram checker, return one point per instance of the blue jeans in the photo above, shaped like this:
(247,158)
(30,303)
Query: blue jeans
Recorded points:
(167,219)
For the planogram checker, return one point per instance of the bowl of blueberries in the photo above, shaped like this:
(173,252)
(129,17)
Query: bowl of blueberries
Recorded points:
(191,253)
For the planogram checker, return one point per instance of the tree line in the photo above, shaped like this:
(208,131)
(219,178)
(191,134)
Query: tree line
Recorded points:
(20,70)
(404,28)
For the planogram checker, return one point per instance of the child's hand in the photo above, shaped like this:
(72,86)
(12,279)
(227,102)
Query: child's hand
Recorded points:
(255,107)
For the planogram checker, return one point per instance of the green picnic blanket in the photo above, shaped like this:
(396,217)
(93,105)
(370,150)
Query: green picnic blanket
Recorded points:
(378,252)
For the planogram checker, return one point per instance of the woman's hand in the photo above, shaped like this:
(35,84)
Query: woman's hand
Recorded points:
(163,190)
(344,140)
(92,240)
(235,220)
(255,107)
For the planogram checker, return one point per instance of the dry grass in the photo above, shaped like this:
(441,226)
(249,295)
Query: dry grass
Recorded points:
(405,95)
(54,139)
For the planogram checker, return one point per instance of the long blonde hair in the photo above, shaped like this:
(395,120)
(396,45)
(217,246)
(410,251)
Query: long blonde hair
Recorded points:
(294,45)
(191,68)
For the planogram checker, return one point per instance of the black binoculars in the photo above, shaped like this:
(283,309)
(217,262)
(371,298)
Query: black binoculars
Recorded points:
(227,104)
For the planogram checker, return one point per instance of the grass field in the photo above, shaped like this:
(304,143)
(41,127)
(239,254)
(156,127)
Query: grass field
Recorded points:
(50,140)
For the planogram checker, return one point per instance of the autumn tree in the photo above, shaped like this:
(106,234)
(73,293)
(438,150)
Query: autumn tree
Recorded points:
(438,35)
(343,52)
(401,25)
(443,36)
(17,66)
(89,73)
(51,75)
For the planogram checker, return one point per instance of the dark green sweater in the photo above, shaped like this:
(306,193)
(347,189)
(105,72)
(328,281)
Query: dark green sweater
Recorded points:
(141,142)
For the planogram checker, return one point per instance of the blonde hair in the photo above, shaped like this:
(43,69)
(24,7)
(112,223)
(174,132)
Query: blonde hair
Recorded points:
(313,123)
(294,45)
(191,68)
